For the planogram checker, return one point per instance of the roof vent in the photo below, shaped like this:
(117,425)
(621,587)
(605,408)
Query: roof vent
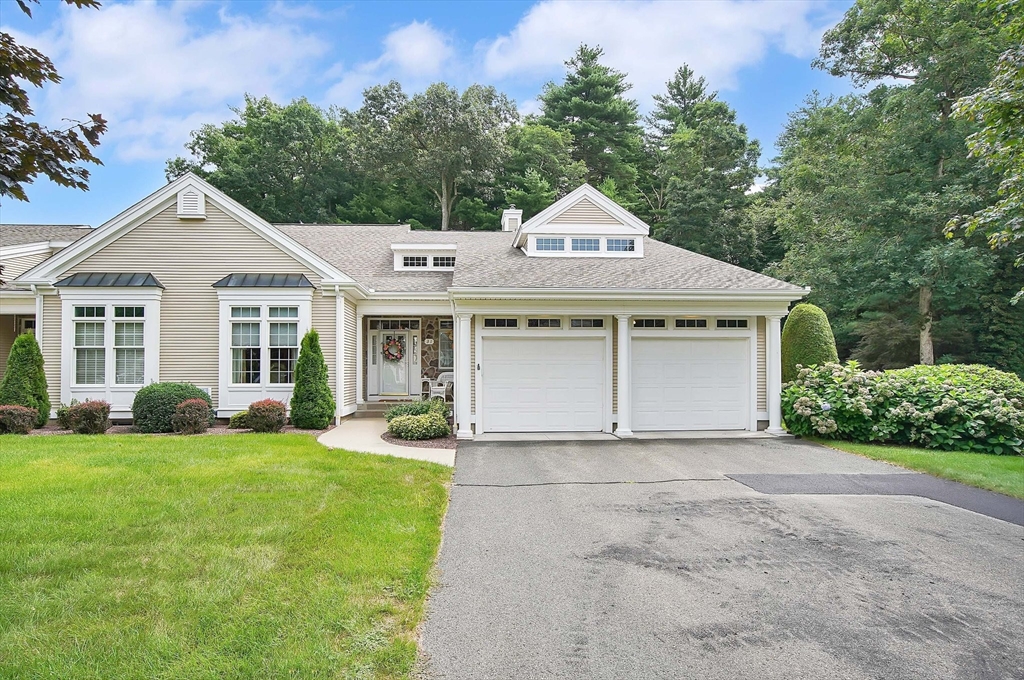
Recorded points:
(191,204)
(511,218)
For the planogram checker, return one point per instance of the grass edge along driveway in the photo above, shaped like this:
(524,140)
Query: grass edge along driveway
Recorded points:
(217,556)
(1002,474)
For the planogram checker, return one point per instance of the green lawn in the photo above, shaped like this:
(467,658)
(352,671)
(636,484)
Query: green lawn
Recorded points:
(231,556)
(1004,474)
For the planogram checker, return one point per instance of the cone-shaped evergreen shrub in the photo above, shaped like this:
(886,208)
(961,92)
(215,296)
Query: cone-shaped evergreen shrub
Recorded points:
(24,382)
(312,401)
(806,340)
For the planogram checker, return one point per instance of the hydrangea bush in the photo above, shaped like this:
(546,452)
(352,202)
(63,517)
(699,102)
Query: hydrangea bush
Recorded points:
(950,407)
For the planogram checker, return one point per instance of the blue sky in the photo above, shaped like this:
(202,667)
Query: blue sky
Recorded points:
(157,70)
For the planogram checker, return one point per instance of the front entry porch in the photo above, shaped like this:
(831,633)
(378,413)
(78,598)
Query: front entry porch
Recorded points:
(403,357)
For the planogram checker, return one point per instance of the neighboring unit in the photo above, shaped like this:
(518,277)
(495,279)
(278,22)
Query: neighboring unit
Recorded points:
(575,320)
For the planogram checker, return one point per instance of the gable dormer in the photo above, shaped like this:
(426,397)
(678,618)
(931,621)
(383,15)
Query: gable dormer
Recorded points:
(585,223)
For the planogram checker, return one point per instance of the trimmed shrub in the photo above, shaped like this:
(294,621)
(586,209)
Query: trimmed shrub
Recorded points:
(89,417)
(24,382)
(417,408)
(425,426)
(807,340)
(312,402)
(267,415)
(950,407)
(192,416)
(239,421)
(62,415)
(16,419)
(154,406)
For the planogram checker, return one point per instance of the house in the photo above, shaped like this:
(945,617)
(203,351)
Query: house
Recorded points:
(574,320)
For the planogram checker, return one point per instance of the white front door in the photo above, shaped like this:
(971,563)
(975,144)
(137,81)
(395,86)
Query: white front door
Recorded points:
(394,373)
(690,384)
(543,384)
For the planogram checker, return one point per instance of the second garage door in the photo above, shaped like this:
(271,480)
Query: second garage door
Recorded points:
(690,384)
(543,384)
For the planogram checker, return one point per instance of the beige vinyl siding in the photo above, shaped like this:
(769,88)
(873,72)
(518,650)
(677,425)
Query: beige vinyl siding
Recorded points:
(585,212)
(762,363)
(16,266)
(324,319)
(188,256)
(51,332)
(472,365)
(350,353)
(8,332)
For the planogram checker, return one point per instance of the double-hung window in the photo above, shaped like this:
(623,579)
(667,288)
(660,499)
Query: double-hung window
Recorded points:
(98,335)
(264,344)
(284,344)
(129,351)
(245,345)
(90,345)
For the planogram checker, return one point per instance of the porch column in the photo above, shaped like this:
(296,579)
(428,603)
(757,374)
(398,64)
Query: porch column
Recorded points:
(625,409)
(359,358)
(773,340)
(339,355)
(463,371)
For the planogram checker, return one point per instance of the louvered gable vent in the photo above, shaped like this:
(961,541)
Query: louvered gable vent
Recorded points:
(191,204)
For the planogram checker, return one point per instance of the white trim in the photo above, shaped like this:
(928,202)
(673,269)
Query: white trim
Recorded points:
(530,247)
(773,344)
(759,300)
(631,224)
(463,368)
(23,249)
(339,356)
(624,393)
(360,331)
(424,246)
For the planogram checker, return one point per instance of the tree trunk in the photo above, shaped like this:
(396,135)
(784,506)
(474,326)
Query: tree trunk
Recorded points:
(446,204)
(924,306)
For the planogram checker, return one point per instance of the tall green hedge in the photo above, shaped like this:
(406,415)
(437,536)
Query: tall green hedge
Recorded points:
(312,402)
(24,382)
(806,340)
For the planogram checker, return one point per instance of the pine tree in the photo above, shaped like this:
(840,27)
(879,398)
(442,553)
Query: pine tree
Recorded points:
(590,104)
(24,382)
(312,402)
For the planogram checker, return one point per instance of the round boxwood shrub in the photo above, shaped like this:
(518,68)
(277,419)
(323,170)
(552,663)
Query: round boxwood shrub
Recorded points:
(239,421)
(267,415)
(192,416)
(24,382)
(425,426)
(89,417)
(417,408)
(807,340)
(312,402)
(154,405)
(16,419)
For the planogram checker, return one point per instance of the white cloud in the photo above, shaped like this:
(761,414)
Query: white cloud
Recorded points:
(649,40)
(156,74)
(415,52)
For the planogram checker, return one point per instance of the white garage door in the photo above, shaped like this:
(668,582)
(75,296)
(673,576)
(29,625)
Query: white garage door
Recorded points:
(690,384)
(543,384)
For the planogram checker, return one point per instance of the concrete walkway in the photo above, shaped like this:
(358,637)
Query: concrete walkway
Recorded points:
(363,435)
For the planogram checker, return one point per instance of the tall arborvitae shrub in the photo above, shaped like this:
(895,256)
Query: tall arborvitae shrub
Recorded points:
(807,340)
(312,401)
(24,382)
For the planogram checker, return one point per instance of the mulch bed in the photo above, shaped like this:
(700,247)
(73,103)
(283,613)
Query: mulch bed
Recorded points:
(52,429)
(439,443)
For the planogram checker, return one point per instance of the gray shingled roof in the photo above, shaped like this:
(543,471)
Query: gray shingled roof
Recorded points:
(487,259)
(21,234)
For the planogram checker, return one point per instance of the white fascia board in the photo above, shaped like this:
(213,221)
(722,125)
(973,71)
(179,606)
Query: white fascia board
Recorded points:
(25,249)
(625,294)
(402,295)
(424,246)
(51,269)
(567,201)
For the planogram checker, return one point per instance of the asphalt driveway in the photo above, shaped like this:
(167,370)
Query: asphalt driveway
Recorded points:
(647,560)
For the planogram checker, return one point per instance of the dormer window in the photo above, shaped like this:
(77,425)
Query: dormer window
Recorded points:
(444,261)
(586,245)
(424,256)
(621,245)
(411,261)
(551,244)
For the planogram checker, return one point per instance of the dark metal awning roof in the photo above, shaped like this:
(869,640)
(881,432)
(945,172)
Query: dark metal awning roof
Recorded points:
(110,280)
(264,281)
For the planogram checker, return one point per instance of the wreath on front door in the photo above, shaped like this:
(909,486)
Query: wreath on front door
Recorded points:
(393,349)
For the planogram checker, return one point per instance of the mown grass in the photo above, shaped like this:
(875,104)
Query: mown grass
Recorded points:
(240,556)
(1003,474)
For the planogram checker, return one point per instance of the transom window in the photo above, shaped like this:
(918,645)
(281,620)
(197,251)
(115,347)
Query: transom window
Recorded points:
(444,261)
(620,245)
(586,323)
(259,335)
(732,323)
(590,245)
(96,335)
(691,323)
(501,323)
(550,244)
(446,343)
(414,261)
(395,324)
(648,323)
(543,323)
